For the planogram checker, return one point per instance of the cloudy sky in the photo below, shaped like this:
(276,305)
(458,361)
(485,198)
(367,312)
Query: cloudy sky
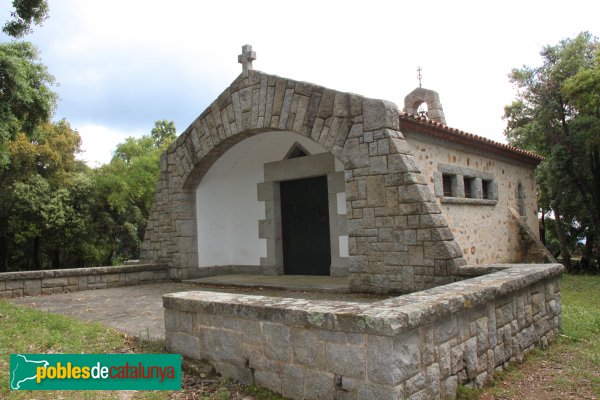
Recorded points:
(121,65)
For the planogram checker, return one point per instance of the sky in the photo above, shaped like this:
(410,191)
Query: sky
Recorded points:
(121,65)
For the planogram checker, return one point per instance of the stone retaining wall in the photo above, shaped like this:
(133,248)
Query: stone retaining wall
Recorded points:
(416,346)
(35,283)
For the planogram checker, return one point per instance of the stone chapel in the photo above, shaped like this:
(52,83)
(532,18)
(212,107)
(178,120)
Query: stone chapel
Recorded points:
(278,177)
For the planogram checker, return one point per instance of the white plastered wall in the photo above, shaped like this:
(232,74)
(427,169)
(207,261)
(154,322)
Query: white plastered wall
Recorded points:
(227,208)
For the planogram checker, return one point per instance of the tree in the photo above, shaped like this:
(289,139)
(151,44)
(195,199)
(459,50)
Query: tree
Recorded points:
(26,102)
(35,189)
(26,96)
(36,210)
(26,13)
(554,116)
(163,132)
(584,89)
(54,210)
(126,189)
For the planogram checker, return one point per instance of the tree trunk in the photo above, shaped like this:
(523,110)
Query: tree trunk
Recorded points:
(562,241)
(587,258)
(543,228)
(3,252)
(556,254)
(56,259)
(594,256)
(37,264)
(109,258)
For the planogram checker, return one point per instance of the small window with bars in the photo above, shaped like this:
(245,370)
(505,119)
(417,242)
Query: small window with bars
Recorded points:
(486,189)
(470,187)
(447,183)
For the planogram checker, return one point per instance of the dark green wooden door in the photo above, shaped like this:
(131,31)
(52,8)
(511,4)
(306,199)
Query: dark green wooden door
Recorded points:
(305,224)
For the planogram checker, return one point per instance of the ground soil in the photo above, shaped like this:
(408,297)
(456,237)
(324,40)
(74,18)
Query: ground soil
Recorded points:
(543,378)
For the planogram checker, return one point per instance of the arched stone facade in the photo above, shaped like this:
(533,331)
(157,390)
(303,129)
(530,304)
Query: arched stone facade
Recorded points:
(398,239)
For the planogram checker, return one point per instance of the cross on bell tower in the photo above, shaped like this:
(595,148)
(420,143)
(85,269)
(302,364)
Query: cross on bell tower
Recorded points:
(419,76)
(246,58)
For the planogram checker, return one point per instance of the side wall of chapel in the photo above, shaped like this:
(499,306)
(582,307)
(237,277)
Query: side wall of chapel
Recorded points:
(486,231)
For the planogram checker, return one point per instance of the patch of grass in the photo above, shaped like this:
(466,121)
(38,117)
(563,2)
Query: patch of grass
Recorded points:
(467,393)
(23,330)
(576,351)
(581,327)
(261,393)
(581,306)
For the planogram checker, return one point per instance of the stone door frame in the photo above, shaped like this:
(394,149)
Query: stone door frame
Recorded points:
(322,164)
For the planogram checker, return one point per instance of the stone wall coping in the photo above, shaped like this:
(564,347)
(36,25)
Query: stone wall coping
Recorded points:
(57,273)
(389,317)
(478,270)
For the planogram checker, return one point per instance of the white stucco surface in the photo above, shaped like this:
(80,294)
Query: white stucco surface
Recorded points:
(227,208)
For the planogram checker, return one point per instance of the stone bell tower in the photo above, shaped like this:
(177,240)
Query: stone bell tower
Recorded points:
(415,99)
(425,103)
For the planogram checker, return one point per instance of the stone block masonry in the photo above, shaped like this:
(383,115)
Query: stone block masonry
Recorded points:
(35,283)
(398,240)
(416,346)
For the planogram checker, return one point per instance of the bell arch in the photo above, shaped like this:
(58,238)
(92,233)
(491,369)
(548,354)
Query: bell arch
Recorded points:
(431,98)
(387,199)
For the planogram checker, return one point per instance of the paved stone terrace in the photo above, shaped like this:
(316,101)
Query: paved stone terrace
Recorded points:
(135,310)
(138,310)
(285,282)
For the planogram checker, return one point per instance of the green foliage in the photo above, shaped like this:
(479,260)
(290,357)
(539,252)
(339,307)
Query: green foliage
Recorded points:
(29,144)
(26,97)
(125,187)
(262,393)
(37,214)
(584,89)
(26,13)
(54,210)
(164,132)
(467,393)
(554,115)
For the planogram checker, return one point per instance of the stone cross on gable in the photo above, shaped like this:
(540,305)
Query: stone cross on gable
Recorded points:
(246,58)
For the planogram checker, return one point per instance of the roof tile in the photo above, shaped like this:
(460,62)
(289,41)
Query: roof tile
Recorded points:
(441,131)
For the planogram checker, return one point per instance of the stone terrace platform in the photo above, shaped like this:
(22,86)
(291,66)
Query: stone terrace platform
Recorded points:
(320,345)
(420,345)
(138,310)
(323,284)
(134,310)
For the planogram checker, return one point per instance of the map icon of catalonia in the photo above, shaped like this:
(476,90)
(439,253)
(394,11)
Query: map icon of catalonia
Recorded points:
(23,369)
